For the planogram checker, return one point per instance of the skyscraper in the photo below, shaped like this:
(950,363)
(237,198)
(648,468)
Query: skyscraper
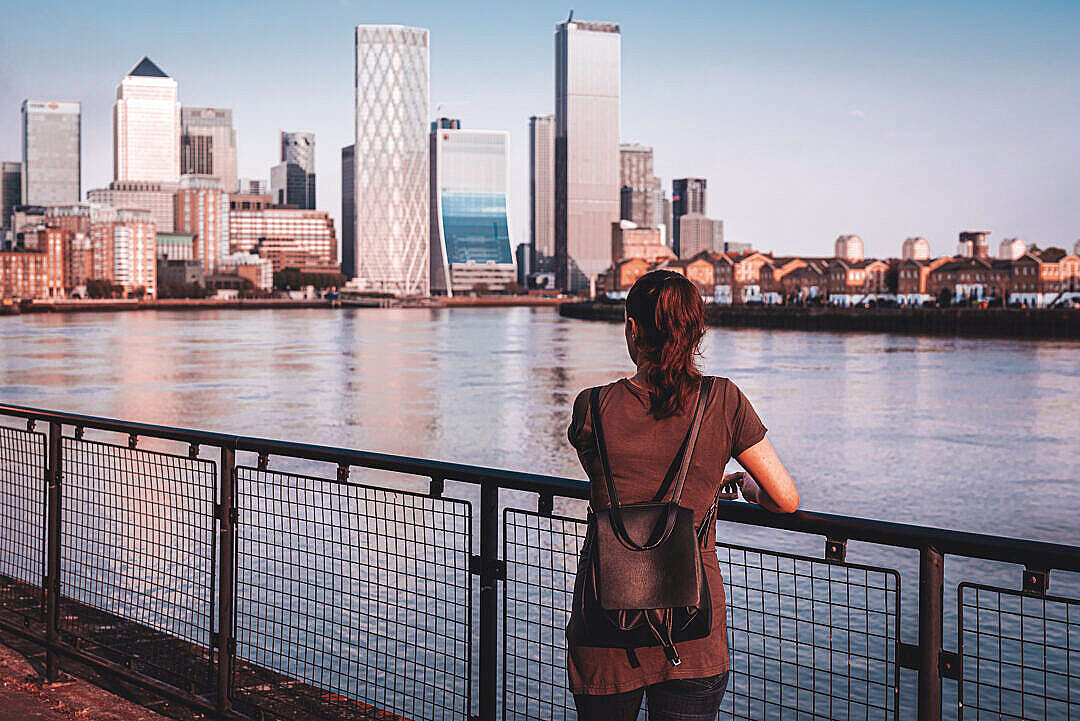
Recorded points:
(208,145)
(542,189)
(10,192)
(636,184)
(587,90)
(687,198)
(470,190)
(52,150)
(292,182)
(391,158)
(348,212)
(146,126)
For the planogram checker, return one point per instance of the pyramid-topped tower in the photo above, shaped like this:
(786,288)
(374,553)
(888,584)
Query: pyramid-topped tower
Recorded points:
(146,126)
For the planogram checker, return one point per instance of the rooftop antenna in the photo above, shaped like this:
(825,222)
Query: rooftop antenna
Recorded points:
(570,16)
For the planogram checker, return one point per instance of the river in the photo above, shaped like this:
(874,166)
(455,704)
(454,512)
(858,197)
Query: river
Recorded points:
(970,434)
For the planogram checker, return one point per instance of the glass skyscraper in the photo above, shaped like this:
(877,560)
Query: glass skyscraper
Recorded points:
(52,150)
(587,89)
(391,160)
(208,145)
(542,187)
(293,181)
(470,236)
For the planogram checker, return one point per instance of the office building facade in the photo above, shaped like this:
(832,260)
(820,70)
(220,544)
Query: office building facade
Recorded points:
(587,93)
(698,233)
(470,191)
(208,145)
(392,187)
(285,236)
(146,126)
(636,178)
(157,198)
(687,198)
(202,209)
(51,152)
(348,212)
(292,181)
(542,188)
(10,192)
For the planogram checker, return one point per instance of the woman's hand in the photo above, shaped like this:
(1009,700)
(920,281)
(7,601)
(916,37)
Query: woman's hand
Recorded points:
(731,485)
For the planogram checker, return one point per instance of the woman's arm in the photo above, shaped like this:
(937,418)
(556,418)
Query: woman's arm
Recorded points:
(774,489)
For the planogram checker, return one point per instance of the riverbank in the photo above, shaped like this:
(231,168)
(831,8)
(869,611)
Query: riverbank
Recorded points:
(117,305)
(990,323)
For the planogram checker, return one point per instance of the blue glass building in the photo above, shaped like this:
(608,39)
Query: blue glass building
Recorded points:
(470,224)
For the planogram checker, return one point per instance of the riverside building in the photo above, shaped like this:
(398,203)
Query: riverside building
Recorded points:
(392,185)
(587,93)
(146,126)
(470,229)
(287,237)
(208,145)
(156,198)
(202,208)
(51,152)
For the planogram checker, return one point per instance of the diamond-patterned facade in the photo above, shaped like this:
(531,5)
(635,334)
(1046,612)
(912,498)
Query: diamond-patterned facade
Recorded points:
(391,159)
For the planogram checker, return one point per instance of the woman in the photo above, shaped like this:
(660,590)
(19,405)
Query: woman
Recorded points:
(645,419)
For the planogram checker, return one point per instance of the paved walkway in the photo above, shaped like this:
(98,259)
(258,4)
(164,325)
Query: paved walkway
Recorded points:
(24,698)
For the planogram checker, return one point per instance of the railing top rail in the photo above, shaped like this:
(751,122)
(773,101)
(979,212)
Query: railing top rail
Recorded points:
(1034,554)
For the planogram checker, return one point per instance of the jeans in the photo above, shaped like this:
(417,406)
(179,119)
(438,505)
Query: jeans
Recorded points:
(684,699)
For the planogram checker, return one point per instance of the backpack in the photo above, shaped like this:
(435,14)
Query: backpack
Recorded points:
(641,581)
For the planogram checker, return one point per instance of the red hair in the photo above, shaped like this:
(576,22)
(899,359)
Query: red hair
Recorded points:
(670,318)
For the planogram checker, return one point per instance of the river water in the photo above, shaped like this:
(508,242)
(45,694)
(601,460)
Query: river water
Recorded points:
(970,434)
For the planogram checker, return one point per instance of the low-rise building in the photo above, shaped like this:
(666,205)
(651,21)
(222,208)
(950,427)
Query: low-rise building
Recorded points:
(629,240)
(852,282)
(284,236)
(259,271)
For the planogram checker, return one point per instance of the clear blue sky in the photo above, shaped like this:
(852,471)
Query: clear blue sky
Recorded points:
(808,119)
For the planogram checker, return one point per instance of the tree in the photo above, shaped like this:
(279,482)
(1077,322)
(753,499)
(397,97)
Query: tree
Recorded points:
(892,280)
(944,297)
(480,289)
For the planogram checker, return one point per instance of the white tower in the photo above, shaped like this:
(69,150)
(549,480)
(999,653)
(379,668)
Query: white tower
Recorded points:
(146,126)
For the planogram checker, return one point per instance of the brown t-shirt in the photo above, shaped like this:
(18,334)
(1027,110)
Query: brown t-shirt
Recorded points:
(640,450)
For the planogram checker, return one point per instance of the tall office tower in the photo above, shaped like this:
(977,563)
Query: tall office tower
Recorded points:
(292,182)
(51,152)
(348,212)
(542,190)
(202,208)
(146,126)
(208,145)
(687,198)
(587,87)
(157,198)
(392,181)
(10,191)
(636,184)
(698,233)
(470,191)
(660,205)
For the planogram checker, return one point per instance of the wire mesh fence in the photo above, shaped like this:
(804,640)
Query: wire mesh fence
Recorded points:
(361,594)
(808,639)
(1020,655)
(137,559)
(23,487)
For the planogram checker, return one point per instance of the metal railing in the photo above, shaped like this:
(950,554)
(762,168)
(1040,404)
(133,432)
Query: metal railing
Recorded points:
(301,592)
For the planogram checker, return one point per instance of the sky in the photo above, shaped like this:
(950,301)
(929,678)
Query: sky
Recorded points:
(808,119)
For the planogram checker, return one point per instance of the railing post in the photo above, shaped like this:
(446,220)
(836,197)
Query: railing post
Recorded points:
(489,599)
(226,639)
(931,599)
(52,555)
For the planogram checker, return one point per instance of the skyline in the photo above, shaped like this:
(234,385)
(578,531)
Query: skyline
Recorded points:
(875,147)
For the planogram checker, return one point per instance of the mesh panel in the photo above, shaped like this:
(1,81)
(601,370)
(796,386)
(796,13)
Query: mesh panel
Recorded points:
(362,594)
(1020,655)
(22,521)
(137,558)
(808,639)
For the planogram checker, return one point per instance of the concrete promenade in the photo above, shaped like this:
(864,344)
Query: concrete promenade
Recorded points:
(23,697)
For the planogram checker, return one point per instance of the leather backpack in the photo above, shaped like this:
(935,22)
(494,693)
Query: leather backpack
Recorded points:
(641,580)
